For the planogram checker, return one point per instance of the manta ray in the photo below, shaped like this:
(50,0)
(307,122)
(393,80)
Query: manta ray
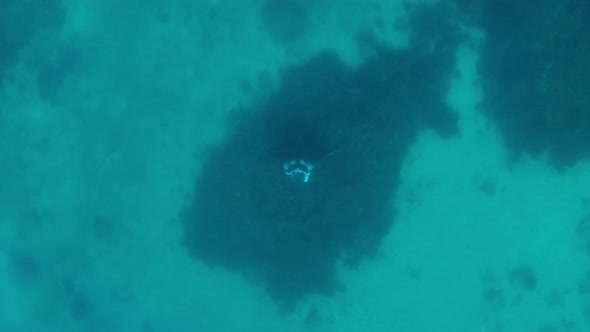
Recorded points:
(299,144)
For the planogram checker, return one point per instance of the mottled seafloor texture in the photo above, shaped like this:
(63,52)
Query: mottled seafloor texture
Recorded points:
(141,165)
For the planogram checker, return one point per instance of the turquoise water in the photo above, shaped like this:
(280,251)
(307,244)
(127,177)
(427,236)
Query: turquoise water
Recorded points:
(142,147)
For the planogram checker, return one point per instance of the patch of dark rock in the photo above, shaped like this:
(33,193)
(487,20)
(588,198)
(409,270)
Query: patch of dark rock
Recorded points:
(584,284)
(414,273)
(313,319)
(436,29)
(354,126)
(379,23)
(547,328)
(567,325)
(583,228)
(556,299)
(21,21)
(586,310)
(535,75)
(26,267)
(80,304)
(523,277)
(583,233)
(488,187)
(104,229)
(53,72)
(493,295)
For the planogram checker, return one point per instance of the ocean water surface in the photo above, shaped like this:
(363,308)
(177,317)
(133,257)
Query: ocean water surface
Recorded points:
(293,165)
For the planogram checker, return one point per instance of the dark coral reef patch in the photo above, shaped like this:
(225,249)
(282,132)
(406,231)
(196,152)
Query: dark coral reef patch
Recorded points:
(535,75)
(354,125)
